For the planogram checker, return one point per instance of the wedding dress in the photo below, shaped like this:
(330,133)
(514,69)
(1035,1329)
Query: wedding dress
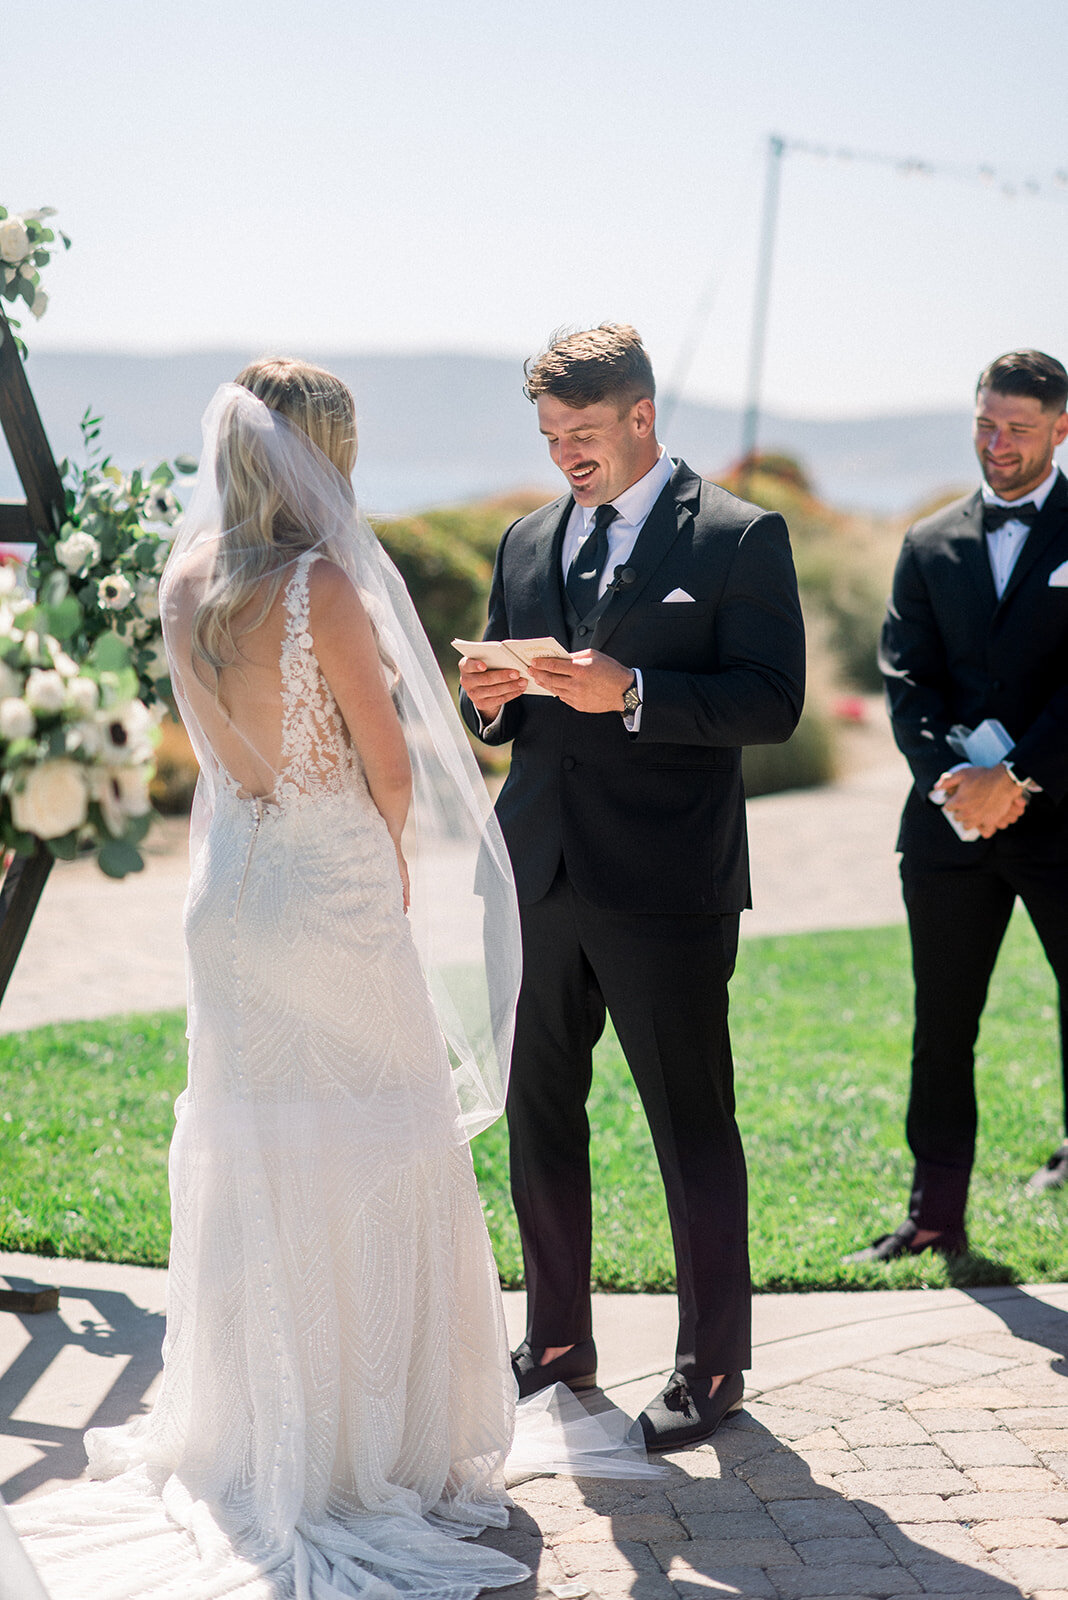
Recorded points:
(337,1401)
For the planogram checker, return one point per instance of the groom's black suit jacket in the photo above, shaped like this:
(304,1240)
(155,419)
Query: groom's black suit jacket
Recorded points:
(952,652)
(653,821)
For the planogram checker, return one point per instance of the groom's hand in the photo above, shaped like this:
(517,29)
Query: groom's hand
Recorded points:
(489,688)
(587,681)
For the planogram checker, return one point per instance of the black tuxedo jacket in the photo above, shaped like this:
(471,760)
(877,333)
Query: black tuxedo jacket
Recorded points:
(652,821)
(952,652)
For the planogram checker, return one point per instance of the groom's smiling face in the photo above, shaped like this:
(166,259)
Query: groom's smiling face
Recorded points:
(601,449)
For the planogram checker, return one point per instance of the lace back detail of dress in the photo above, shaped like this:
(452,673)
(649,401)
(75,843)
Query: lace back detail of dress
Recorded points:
(316,753)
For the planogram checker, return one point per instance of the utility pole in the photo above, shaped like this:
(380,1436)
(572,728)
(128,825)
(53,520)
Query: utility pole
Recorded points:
(776,149)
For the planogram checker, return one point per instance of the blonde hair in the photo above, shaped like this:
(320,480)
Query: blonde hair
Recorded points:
(262,532)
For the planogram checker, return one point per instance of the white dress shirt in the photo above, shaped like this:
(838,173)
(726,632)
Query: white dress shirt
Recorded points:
(1005,543)
(633,507)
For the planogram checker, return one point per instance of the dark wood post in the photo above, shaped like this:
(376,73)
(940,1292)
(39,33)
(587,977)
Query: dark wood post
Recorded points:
(35,464)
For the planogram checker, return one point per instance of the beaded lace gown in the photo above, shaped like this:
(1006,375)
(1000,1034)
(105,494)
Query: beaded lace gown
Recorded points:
(336,1402)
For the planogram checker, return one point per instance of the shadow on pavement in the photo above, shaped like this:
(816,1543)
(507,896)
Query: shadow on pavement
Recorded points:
(120,1331)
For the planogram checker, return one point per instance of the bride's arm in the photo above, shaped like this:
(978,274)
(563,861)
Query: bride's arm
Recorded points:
(348,654)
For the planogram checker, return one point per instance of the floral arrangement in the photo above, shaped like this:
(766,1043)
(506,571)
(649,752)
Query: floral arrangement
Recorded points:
(25,241)
(83,675)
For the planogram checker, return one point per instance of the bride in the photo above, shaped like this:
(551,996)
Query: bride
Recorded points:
(337,1401)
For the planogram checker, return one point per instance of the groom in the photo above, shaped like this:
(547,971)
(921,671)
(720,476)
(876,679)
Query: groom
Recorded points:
(624,817)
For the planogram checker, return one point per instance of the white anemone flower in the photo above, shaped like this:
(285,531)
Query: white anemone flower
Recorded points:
(115,592)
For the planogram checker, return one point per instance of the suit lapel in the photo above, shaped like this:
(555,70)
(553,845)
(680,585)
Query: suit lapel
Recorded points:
(548,545)
(674,509)
(970,541)
(1047,526)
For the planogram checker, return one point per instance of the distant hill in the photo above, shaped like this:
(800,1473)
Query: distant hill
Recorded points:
(440,429)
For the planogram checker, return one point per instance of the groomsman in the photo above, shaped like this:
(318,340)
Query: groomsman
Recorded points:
(625,819)
(977,629)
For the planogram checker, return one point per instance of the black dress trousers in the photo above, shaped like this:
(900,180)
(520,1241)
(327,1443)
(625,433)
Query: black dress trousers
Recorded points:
(663,980)
(957,920)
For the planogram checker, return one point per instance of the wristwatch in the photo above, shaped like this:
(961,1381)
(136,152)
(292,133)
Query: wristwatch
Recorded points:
(1028,785)
(631,698)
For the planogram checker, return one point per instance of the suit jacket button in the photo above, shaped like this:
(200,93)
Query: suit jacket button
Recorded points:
(568,763)
(582,628)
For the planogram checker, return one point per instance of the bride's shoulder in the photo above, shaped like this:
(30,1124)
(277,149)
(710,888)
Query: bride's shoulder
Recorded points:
(332,594)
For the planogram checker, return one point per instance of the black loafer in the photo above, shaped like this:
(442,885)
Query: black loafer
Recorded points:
(902,1242)
(683,1413)
(577,1368)
(1054,1175)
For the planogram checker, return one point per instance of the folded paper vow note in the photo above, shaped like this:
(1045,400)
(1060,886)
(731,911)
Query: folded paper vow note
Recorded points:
(512,653)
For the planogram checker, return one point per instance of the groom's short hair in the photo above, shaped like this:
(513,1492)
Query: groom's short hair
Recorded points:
(1028,372)
(586,368)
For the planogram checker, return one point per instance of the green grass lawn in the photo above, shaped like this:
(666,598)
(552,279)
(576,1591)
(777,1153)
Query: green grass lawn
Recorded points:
(821,1027)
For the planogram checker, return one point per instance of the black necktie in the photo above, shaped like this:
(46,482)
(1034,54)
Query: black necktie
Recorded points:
(584,574)
(995,517)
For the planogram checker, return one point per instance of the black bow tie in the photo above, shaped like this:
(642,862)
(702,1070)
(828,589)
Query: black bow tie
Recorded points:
(995,517)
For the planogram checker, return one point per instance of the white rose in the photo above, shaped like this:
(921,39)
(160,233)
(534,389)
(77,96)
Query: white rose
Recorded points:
(84,696)
(16,719)
(132,785)
(148,597)
(64,665)
(53,800)
(39,304)
(8,578)
(14,240)
(45,691)
(77,552)
(115,592)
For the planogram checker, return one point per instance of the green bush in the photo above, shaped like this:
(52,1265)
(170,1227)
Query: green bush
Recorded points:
(844,563)
(805,761)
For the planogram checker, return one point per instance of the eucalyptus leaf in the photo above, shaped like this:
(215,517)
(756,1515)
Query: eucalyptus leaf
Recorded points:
(117,858)
(64,618)
(186,464)
(108,654)
(137,827)
(65,849)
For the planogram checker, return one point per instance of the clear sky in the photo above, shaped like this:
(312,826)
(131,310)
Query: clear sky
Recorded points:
(317,175)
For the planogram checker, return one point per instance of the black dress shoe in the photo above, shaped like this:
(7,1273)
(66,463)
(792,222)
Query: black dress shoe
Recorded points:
(902,1242)
(577,1368)
(683,1413)
(1054,1175)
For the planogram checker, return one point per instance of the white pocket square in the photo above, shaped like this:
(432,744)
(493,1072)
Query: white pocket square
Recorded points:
(680,594)
(1058,578)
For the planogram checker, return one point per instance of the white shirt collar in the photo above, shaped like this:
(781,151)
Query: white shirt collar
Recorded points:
(635,503)
(1037,495)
